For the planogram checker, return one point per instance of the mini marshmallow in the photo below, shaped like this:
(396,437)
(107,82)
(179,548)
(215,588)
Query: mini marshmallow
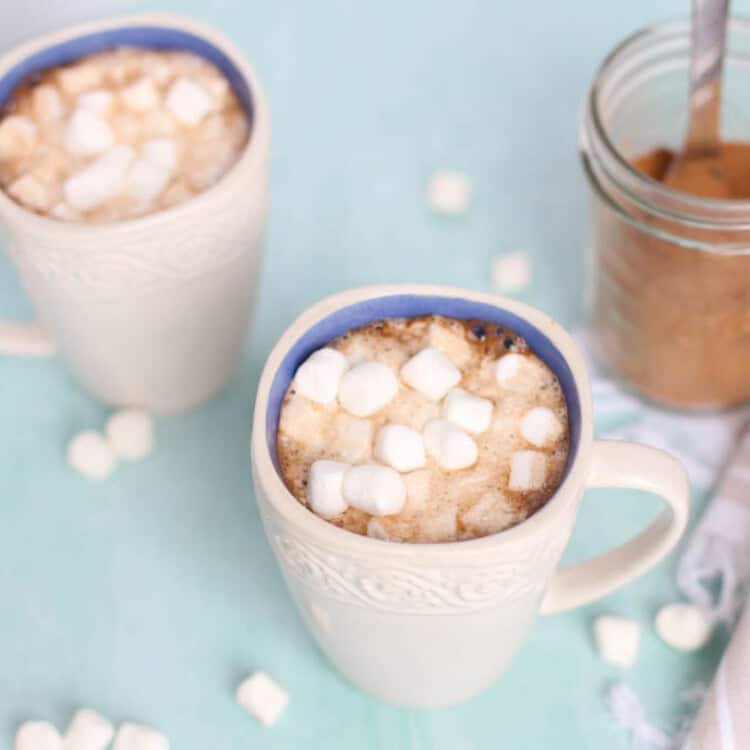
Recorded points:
(188,102)
(130,433)
(528,470)
(38,735)
(683,626)
(99,102)
(507,367)
(91,455)
(374,489)
(540,426)
(18,137)
(449,193)
(88,730)
(467,411)
(351,440)
(367,388)
(431,373)
(46,103)
(376,530)
(76,79)
(64,212)
(262,697)
(450,446)
(139,737)
(400,447)
(99,181)
(511,272)
(140,96)
(87,134)
(31,192)
(161,151)
(318,377)
(325,488)
(617,639)
(145,181)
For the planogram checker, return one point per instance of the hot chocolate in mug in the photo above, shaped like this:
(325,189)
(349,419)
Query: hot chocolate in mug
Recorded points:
(149,311)
(433,624)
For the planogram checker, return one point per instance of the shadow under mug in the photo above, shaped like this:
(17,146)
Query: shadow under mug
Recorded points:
(150,311)
(428,625)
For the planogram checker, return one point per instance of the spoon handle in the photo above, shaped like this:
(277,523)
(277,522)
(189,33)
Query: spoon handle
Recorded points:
(708,38)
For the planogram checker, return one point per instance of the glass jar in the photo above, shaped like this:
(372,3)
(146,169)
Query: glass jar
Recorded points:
(669,273)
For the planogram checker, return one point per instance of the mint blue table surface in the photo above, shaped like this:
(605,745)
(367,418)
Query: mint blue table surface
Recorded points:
(150,596)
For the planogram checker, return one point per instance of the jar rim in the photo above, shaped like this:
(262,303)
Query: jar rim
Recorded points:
(674,205)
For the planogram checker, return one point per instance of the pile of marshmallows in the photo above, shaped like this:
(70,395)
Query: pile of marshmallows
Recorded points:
(365,388)
(259,694)
(88,134)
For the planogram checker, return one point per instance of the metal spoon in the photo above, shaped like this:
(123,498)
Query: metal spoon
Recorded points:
(708,41)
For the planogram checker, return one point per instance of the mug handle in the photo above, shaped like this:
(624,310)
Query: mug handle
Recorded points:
(25,340)
(627,465)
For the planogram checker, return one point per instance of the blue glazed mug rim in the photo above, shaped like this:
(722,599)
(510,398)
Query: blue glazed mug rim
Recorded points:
(372,303)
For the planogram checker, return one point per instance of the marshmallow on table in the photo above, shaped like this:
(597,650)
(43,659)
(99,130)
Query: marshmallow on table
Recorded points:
(99,181)
(467,411)
(449,193)
(683,626)
(161,151)
(318,377)
(431,373)
(38,735)
(511,272)
(91,455)
(18,137)
(450,446)
(188,102)
(31,192)
(617,639)
(87,134)
(400,447)
(99,102)
(139,737)
(145,181)
(262,697)
(141,95)
(540,426)
(378,490)
(367,388)
(46,103)
(325,488)
(528,471)
(88,730)
(130,433)
(507,368)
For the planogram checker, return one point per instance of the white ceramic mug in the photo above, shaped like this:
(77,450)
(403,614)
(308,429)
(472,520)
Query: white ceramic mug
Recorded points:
(151,311)
(433,624)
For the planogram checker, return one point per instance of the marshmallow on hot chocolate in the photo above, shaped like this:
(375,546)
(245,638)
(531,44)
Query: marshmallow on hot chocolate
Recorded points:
(374,489)
(507,368)
(188,102)
(99,102)
(18,137)
(540,426)
(431,373)
(367,388)
(325,488)
(100,180)
(528,470)
(31,192)
(46,103)
(161,151)
(87,134)
(141,96)
(319,376)
(400,447)
(145,181)
(467,411)
(450,446)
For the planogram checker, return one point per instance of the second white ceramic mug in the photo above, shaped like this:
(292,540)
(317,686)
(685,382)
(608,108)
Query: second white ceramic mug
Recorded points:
(151,311)
(433,624)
